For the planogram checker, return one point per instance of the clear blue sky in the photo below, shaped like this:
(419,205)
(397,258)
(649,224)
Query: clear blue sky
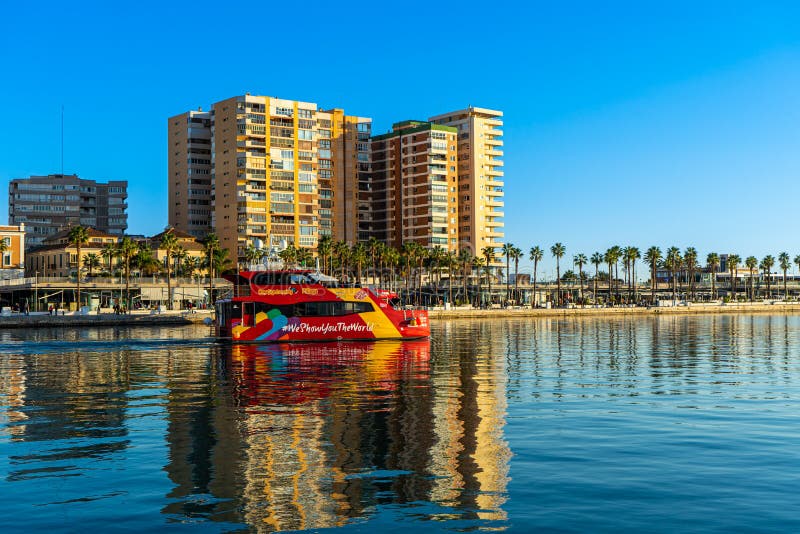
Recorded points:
(625,124)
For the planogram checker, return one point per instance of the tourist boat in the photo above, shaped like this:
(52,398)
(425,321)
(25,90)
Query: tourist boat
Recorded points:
(303,305)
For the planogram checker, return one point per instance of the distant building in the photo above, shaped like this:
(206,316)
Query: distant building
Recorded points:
(49,204)
(12,260)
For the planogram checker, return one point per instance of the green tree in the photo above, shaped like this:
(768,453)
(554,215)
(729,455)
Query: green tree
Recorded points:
(489,257)
(752,263)
(508,251)
(465,259)
(766,265)
(597,260)
(325,251)
(536,255)
(109,252)
(558,250)
(652,257)
(580,260)
(733,265)
(690,262)
(712,262)
(169,244)
(516,255)
(673,262)
(91,261)
(478,263)
(785,262)
(78,236)
(211,246)
(126,251)
(631,255)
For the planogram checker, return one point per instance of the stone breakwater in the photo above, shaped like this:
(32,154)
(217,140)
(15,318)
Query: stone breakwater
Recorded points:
(692,309)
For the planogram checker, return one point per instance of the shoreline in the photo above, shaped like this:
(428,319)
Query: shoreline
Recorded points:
(692,309)
(46,320)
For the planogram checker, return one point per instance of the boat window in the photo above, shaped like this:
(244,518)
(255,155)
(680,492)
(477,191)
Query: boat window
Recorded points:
(312,309)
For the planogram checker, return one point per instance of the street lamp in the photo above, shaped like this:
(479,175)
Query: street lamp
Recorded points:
(36,292)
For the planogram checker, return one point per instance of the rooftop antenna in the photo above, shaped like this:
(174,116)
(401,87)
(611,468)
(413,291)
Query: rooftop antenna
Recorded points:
(62,140)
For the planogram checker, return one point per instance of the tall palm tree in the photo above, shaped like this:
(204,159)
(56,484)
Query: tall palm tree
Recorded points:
(733,265)
(516,255)
(631,255)
(91,261)
(752,263)
(78,236)
(489,257)
(342,254)
(109,252)
(169,244)
(597,260)
(785,263)
(536,255)
(324,251)
(210,247)
(558,250)
(673,262)
(616,254)
(508,251)
(359,257)
(252,254)
(465,259)
(652,257)
(766,265)
(4,246)
(478,263)
(690,262)
(712,262)
(126,251)
(580,260)
(609,258)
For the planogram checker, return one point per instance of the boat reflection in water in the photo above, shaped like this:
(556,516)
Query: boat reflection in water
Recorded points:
(330,431)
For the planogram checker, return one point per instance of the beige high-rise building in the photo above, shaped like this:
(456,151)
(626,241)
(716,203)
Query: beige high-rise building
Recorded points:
(282,172)
(414,186)
(480,176)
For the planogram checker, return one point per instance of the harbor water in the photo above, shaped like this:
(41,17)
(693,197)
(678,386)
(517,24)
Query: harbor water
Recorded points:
(657,424)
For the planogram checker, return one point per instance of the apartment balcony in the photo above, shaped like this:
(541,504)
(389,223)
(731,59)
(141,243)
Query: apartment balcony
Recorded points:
(493,172)
(493,142)
(493,122)
(282,229)
(494,131)
(492,182)
(494,234)
(495,224)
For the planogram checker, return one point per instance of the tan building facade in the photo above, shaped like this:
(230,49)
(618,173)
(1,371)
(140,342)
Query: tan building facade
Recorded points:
(480,176)
(282,172)
(414,186)
(13,257)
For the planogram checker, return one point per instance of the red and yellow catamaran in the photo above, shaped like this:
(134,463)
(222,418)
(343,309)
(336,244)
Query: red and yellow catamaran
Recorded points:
(303,305)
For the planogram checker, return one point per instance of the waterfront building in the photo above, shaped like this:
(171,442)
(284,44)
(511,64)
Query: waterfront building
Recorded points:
(12,257)
(280,172)
(49,204)
(480,176)
(413,195)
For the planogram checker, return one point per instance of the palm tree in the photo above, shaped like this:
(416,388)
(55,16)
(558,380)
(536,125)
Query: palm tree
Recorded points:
(673,262)
(78,236)
(580,260)
(616,254)
(489,257)
(4,246)
(690,262)
(558,250)
(91,261)
(210,247)
(712,262)
(109,252)
(324,251)
(766,265)
(610,259)
(508,251)
(169,244)
(536,255)
(733,265)
(252,254)
(465,259)
(341,252)
(751,262)
(785,263)
(126,251)
(631,255)
(146,261)
(597,260)
(516,255)
(478,263)
(652,257)
(359,257)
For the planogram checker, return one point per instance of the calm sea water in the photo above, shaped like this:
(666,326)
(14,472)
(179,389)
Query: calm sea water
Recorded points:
(640,424)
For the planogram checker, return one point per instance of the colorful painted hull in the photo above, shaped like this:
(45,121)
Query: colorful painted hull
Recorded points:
(315,313)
